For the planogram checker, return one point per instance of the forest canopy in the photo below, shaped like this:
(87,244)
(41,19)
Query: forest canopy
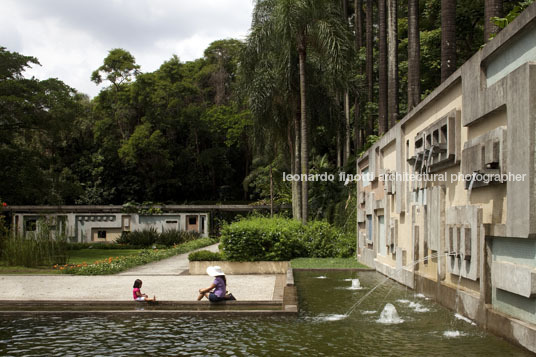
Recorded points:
(314,84)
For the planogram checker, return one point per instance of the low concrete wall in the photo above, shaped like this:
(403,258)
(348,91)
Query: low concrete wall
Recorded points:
(237,268)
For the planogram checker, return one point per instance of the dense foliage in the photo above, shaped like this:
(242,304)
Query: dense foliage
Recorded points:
(177,134)
(227,126)
(204,255)
(150,236)
(276,239)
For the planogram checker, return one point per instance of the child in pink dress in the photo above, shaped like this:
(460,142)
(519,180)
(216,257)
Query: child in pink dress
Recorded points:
(136,292)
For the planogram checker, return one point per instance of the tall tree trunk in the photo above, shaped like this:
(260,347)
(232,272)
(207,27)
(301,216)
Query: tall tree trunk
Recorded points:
(382,67)
(291,143)
(338,144)
(448,38)
(492,8)
(369,65)
(271,192)
(392,97)
(347,127)
(358,24)
(297,162)
(304,129)
(414,55)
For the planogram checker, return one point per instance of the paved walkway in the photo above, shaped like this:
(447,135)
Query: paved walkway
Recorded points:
(162,279)
(119,288)
(171,266)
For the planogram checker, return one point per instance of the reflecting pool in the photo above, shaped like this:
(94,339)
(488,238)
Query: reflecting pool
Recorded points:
(422,328)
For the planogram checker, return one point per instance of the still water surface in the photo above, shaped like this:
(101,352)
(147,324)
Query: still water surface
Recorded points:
(320,330)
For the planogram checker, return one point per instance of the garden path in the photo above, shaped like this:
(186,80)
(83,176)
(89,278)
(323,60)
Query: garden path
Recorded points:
(176,265)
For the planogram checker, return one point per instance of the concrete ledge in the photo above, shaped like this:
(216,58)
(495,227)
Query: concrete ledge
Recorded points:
(150,313)
(200,267)
(160,307)
(290,277)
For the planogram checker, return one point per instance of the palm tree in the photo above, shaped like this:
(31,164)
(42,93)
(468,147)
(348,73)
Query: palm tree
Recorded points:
(414,55)
(448,38)
(392,87)
(302,26)
(492,8)
(382,67)
(358,28)
(369,26)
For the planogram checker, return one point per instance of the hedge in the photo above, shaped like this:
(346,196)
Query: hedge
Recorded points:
(277,239)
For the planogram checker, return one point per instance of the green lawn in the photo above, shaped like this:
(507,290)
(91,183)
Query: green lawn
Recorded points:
(75,257)
(91,255)
(24,270)
(326,263)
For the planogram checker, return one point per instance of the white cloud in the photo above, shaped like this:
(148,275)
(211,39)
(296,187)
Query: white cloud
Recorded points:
(71,38)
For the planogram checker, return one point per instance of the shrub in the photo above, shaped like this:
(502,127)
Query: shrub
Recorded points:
(171,237)
(276,239)
(322,240)
(144,238)
(204,255)
(260,238)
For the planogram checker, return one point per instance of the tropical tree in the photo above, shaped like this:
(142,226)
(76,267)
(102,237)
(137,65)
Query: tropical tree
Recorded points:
(358,29)
(382,67)
(414,55)
(392,60)
(305,27)
(369,28)
(448,38)
(492,9)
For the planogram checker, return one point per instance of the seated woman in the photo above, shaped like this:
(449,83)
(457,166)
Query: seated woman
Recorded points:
(217,291)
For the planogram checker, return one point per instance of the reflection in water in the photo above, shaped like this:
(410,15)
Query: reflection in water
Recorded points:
(319,330)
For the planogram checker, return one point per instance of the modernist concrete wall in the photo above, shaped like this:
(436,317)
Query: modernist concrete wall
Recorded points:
(469,240)
(84,226)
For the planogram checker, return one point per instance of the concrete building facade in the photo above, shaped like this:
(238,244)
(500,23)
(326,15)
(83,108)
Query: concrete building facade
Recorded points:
(448,203)
(102,223)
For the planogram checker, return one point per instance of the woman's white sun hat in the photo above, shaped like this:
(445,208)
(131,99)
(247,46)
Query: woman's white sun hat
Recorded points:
(215,271)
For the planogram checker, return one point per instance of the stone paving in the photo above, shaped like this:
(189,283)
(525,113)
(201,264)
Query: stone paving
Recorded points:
(166,279)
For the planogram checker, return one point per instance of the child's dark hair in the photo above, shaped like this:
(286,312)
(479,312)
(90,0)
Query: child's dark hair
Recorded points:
(137,283)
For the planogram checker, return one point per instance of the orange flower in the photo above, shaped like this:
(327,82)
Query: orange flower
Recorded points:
(61,268)
(78,266)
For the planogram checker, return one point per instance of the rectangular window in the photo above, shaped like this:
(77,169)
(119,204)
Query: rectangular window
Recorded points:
(365,177)
(369,225)
(192,220)
(31,225)
(381,232)
(101,234)
(171,222)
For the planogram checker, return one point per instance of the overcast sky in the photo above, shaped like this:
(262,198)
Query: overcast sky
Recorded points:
(70,38)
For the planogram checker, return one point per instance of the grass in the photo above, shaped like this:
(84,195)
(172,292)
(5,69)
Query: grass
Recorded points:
(25,270)
(326,263)
(90,256)
(75,257)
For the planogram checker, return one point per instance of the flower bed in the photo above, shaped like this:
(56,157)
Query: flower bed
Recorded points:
(114,265)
